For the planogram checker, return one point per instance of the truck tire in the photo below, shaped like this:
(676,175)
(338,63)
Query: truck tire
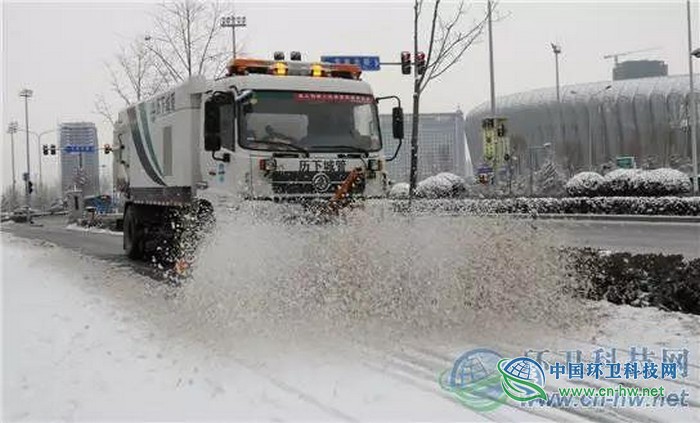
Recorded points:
(133,234)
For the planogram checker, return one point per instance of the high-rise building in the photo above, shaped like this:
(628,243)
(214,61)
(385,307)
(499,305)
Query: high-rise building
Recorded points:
(441,146)
(79,169)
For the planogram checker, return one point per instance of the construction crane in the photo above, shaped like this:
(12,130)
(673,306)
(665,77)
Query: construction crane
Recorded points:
(614,56)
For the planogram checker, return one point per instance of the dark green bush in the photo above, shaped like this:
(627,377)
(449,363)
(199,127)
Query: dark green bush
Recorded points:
(665,281)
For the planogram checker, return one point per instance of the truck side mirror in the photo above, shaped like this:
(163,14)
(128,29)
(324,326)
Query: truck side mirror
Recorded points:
(244,97)
(212,125)
(397,122)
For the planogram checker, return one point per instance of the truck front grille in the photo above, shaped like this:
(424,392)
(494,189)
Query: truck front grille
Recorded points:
(285,182)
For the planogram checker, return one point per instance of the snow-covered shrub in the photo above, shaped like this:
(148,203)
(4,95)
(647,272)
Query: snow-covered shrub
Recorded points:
(459,185)
(399,190)
(621,181)
(668,206)
(434,187)
(442,185)
(661,182)
(585,184)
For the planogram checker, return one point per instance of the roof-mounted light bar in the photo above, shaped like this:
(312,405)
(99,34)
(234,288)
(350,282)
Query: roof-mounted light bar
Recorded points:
(281,67)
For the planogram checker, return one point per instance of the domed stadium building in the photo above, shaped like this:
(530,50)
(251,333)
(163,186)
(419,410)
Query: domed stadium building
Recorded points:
(647,118)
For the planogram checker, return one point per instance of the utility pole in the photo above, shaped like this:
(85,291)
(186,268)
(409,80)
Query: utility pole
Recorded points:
(492,79)
(233,22)
(27,93)
(693,105)
(415,115)
(491,70)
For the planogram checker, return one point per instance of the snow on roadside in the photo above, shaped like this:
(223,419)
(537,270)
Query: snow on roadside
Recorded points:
(86,341)
(71,354)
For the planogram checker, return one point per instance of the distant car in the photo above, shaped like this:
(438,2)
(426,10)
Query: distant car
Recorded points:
(20,214)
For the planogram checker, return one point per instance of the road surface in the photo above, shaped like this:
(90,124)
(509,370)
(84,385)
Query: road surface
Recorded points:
(637,237)
(305,323)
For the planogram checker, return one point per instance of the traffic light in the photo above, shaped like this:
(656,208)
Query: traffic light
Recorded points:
(405,63)
(107,148)
(420,63)
(30,187)
(53,149)
(45,149)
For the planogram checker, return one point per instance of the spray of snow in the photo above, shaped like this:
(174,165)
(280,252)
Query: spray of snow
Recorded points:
(376,272)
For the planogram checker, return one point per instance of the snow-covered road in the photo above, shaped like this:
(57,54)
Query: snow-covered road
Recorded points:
(83,340)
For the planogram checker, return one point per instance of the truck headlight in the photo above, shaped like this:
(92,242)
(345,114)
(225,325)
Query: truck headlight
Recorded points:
(267,165)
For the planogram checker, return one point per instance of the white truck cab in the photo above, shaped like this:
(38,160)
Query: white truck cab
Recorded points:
(270,130)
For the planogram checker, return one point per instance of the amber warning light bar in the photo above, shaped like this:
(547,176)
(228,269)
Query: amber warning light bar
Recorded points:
(283,68)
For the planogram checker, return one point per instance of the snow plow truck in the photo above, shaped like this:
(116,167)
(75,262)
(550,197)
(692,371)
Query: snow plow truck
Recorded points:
(270,130)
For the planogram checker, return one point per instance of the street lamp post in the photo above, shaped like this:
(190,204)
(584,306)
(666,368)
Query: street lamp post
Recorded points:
(12,130)
(693,105)
(27,93)
(38,146)
(232,21)
(556,49)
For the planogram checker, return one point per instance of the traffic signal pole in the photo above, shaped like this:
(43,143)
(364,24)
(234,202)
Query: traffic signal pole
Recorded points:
(26,94)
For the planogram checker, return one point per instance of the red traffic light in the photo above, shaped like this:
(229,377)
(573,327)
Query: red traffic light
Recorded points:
(421,65)
(405,63)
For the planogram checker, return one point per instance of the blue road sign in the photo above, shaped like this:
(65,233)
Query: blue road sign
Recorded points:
(366,63)
(77,149)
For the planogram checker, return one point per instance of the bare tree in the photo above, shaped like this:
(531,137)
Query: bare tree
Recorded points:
(132,77)
(448,41)
(185,40)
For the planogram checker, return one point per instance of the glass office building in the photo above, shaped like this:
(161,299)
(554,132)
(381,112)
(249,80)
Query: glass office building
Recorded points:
(441,146)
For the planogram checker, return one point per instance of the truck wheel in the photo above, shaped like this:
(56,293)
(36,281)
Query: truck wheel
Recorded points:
(133,234)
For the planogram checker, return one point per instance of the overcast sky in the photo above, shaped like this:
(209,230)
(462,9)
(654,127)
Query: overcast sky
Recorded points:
(59,50)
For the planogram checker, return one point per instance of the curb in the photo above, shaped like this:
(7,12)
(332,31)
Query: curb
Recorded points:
(610,217)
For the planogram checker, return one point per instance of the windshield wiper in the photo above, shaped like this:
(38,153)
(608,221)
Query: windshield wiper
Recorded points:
(350,147)
(282,143)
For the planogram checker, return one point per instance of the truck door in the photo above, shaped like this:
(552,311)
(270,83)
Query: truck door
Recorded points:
(219,139)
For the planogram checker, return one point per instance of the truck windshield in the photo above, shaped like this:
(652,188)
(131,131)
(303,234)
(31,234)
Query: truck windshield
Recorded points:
(312,121)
